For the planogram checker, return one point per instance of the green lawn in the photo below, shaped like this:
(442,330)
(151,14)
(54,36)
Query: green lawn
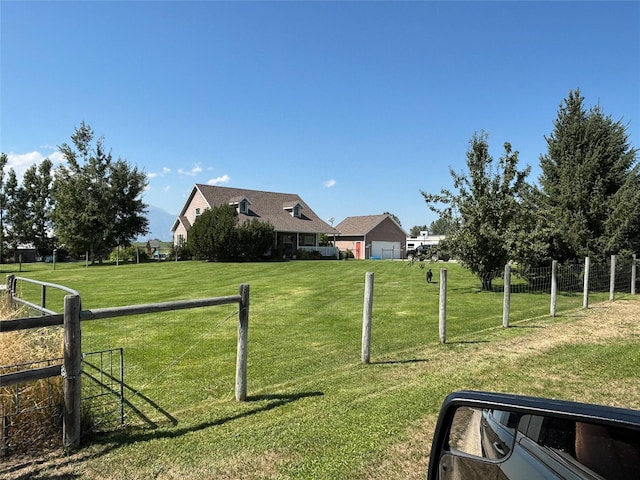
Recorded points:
(314,411)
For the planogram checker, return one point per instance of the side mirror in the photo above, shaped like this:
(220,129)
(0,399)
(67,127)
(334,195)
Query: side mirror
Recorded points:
(481,435)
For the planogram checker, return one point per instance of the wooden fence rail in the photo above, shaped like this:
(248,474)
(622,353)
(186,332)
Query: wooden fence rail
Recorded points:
(71,367)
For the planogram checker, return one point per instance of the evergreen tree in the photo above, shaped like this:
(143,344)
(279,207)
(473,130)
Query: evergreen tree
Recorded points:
(589,194)
(3,203)
(36,195)
(97,203)
(16,211)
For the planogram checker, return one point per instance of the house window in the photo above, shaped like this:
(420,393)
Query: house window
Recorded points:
(197,212)
(307,240)
(243,207)
(180,240)
(296,211)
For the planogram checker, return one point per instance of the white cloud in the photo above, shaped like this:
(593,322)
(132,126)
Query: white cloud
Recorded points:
(166,188)
(191,173)
(165,170)
(330,183)
(218,180)
(21,161)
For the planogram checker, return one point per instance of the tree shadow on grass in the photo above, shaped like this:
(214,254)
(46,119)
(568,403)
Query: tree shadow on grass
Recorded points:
(99,444)
(130,436)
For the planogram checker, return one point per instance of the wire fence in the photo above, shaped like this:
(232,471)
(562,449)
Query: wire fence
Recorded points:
(569,278)
(148,370)
(148,367)
(164,343)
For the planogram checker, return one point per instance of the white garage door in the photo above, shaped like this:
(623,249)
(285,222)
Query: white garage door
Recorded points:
(385,250)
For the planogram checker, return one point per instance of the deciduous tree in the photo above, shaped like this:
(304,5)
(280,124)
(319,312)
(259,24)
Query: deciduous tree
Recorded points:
(416,229)
(395,217)
(97,199)
(484,211)
(216,235)
(213,235)
(441,226)
(255,238)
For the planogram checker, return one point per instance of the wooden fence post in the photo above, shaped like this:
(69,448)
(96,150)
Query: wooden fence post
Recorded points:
(585,294)
(554,287)
(633,275)
(243,336)
(10,287)
(43,296)
(366,318)
(71,373)
(442,323)
(612,278)
(506,305)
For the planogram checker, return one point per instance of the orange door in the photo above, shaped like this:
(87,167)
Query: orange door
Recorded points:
(358,250)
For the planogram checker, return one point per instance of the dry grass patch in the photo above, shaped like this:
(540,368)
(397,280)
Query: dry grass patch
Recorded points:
(30,409)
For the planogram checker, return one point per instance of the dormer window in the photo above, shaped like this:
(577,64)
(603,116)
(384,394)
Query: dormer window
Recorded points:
(294,208)
(241,204)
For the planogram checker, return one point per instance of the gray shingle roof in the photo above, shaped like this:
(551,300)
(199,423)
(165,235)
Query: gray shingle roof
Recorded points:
(360,225)
(268,207)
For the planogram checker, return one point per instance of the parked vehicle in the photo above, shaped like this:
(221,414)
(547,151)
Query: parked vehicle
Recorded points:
(482,435)
(420,252)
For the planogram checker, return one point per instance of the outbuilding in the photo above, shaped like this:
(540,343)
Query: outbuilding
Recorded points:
(371,237)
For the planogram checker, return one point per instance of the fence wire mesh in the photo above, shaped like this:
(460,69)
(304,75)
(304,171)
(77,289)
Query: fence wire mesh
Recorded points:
(141,370)
(103,389)
(569,278)
(146,367)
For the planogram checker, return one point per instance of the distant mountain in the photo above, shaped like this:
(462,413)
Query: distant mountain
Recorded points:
(160,223)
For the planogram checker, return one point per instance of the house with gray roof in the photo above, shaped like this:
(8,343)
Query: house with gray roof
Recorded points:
(372,236)
(296,225)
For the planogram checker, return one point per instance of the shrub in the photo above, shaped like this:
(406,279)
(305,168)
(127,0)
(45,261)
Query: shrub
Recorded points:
(308,255)
(128,254)
(346,254)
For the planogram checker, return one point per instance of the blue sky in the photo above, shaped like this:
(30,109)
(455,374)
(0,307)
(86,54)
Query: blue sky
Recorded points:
(355,106)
